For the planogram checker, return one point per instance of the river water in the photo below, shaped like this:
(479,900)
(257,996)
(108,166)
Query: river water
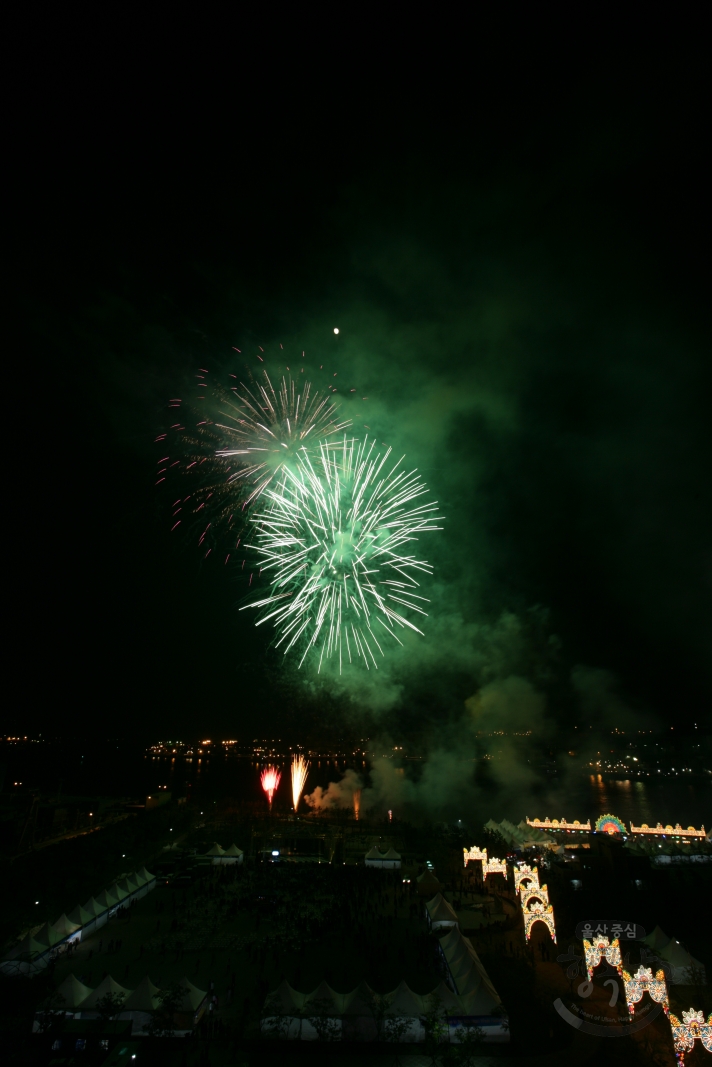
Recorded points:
(120,770)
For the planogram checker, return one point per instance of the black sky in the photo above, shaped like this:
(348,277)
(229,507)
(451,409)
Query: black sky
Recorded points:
(527,222)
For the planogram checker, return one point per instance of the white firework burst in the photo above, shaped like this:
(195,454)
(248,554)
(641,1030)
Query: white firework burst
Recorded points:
(337,537)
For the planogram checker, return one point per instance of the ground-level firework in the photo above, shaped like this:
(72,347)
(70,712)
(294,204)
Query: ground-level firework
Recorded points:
(270,779)
(300,766)
(337,537)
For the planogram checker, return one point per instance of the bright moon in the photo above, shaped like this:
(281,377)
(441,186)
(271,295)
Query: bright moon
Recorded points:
(336,329)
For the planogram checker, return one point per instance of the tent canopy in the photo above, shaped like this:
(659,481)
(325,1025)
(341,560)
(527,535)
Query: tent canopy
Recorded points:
(70,993)
(440,911)
(284,1000)
(392,854)
(325,1000)
(403,1001)
(144,997)
(657,939)
(233,850)
(192,996)
(428,883)
(216,850)
(64,927)
(677,956)
(105,900)
(360,1001)
(94,907)
(80,916)
(107,986)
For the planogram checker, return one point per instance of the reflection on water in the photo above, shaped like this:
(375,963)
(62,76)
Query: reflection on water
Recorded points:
(130,773)
(667,801)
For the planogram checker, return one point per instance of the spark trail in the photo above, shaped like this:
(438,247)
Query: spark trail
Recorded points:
(270,779)
(335,536)
(300,766)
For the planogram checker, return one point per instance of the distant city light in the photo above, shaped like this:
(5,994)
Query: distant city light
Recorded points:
(336,329)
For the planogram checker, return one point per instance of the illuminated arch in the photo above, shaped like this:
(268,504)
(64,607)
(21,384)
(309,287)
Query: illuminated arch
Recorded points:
(521,874)
(643,982)
(692,1028)
(602,948)
(535,892)
(539,913)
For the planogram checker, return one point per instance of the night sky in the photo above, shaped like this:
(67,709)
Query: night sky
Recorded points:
(513,243)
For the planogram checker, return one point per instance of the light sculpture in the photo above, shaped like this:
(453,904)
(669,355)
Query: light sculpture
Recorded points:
(692,1028)
(533,892)
(539,913)
(474,853)
(558,824)
(494,866)
(524,873)
(610,824)
(643,982)
(668,831)
(602,948)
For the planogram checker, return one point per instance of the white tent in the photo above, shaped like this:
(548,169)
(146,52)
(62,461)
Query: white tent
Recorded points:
(106,900)
(81,916)
(427,884)
(99,912)
(362,1014)
(440,912)
(66,998)
(70,994)
(140,1005)
(686,970)
(233,854)
(480,1000)
(389,860)
(127,887)
(358,1021)
(65,928)
(404,1004)
(118,893)
(656,940)
(144,997)
(88,1007)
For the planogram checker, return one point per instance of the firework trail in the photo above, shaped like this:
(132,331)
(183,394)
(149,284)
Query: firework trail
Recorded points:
(236,442)
(300,766)
(334,535)
(270,779)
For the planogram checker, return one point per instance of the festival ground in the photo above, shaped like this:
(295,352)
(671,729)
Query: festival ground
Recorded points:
(237,931)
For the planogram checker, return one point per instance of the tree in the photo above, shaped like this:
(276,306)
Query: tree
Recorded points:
(319,1015)
(53,1015)
(162,1022)
(276,1026)
(109,1006)
(393,1029)
(437,1032)
(464,1052)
